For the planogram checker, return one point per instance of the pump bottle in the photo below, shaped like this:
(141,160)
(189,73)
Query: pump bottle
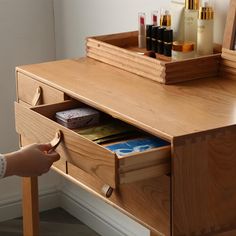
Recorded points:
(205,29)
(190,20)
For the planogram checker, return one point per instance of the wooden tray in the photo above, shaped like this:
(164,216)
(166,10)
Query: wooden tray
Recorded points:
(121,50)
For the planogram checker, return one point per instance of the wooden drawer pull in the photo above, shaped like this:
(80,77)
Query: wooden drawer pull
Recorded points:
(37,97)
(56,140)
(107,190)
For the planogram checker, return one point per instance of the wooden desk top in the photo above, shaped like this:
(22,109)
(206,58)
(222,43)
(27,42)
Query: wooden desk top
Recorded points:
(164,110)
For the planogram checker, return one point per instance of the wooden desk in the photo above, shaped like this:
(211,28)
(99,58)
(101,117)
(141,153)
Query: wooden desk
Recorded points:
(198,118)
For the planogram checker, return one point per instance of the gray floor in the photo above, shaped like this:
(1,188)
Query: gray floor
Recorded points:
(55,222)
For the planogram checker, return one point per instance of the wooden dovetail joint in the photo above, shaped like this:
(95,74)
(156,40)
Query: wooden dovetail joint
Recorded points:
(37,97)
(107,190)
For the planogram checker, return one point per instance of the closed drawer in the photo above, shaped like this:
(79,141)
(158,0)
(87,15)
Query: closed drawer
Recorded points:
(37,124)
(33,92)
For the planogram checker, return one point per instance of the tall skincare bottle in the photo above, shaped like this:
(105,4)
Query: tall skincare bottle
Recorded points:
(205,29)
(177,24)
(190,20)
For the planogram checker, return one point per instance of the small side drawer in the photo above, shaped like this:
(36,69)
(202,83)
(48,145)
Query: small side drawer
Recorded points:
(37,124)
(33,92)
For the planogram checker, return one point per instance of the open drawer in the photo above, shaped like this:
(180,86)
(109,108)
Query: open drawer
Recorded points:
(38,125)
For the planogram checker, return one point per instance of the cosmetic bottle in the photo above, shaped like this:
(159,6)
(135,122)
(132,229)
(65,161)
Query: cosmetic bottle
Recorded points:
(165,20)
(190,20)
(160,37)
(183,50)
(205,29)
(141,30)
(149,37)
(154,38)
(168,40)
(155,18)
(177,22)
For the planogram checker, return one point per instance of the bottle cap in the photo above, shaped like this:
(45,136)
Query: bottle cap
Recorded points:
(181,46)
(206,12)
(165,19)
(155,16)
(192,4)
(168,36)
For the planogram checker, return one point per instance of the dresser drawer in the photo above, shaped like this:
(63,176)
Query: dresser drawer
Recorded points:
(33,92)
(37,124)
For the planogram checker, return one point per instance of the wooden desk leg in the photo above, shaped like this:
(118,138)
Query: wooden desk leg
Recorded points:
(30,206)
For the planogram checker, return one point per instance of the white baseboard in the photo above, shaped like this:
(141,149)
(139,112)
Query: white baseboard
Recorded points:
(101,217)
(11,207)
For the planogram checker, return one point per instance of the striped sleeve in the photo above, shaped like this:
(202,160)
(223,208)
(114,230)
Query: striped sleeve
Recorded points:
(3,166)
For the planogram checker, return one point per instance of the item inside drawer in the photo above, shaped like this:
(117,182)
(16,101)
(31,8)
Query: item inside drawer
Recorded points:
(136,145)
(115,135)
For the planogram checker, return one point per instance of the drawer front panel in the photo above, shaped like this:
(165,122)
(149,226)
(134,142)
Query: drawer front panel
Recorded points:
(28,89)
(81,152)
(149,164)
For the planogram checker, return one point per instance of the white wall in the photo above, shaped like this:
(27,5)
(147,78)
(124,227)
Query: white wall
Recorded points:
(77,19)
(26,36)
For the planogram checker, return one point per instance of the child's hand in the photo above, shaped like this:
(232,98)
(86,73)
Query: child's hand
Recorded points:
(32,160)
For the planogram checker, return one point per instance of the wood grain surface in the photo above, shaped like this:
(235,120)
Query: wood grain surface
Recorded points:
(165,111)
(121,50)
(197,117)
(203,185)
(30,206)
(27,88)
(228,64)
(87,155)
(147,202)
(230,27)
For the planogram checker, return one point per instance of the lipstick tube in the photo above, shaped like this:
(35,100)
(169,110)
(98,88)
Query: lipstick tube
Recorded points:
(149,37)
(141,30)
(168,40)
(160,38)
(154,38)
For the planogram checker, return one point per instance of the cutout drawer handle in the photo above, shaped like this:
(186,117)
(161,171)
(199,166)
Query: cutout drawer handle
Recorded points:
(56,140)
(107,190)
(37,97)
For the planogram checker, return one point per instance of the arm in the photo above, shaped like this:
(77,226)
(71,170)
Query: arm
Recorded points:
(32,160)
